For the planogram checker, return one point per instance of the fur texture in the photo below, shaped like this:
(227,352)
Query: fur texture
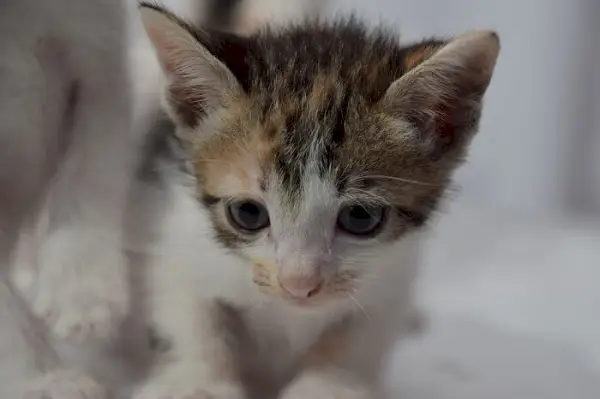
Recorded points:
(289,190)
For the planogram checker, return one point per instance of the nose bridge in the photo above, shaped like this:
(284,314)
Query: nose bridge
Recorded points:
(303,230)
(297,257)
(303,251)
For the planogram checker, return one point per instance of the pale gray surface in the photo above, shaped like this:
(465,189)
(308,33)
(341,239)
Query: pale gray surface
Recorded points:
(514,311)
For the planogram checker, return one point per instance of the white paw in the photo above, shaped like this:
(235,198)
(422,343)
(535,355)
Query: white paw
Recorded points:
(327,385)
(81,288)
(172,386)
(65,384)
(210,391)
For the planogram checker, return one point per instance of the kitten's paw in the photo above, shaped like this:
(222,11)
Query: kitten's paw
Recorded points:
(173,388)
(81,289)
(327,385)
(66,384)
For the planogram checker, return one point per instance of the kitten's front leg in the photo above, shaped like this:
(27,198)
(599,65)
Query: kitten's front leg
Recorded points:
(329,382)
(345,363)
(325,374)
(185,380)
(201,363)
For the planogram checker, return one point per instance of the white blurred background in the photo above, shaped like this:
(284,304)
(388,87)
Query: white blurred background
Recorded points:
(512,278)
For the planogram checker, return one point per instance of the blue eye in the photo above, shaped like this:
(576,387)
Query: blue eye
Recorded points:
(361,220)
(248,215)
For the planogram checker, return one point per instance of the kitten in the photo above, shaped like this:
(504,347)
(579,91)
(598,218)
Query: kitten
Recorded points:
(290,186)
(66,154)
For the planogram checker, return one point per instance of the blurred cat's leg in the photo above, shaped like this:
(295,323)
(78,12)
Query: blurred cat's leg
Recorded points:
(80,287)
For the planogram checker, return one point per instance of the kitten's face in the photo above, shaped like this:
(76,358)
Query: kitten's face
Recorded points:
(310,203)
(311,157)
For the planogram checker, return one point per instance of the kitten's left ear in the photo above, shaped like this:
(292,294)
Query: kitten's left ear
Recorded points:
(197,82)
(441,93)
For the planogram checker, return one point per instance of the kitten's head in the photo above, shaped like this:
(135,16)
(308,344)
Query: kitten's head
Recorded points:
(317,146)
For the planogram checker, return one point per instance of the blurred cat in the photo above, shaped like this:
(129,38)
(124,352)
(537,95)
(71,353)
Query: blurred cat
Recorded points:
(66,157)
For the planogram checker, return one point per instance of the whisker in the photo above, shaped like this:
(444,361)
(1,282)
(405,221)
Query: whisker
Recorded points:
(361,307)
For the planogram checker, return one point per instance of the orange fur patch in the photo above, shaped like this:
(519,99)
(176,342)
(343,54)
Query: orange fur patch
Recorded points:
(234,164)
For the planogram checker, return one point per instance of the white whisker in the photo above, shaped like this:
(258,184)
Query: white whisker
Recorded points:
(400,179)
(361,307)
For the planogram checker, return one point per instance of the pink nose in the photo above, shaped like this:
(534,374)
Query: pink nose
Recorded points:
(302,287)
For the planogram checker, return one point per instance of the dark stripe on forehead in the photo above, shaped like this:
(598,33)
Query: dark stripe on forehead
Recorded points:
(335,139)
(313,132)
(290,174)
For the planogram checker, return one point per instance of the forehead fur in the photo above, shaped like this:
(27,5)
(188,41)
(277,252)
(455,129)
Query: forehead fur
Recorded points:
(309,116)
(312,94)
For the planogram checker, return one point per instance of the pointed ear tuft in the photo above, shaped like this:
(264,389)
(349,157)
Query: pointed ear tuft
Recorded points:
(197,82)
(441,93)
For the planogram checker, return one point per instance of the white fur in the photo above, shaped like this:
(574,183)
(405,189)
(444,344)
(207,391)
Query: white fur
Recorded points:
(188,272)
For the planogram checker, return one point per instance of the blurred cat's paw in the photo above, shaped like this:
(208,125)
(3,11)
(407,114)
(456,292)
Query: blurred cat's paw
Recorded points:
(177,386)
(210,391)
(65,384)
(81,287)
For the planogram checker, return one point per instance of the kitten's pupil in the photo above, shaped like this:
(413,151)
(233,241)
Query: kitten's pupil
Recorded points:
(358,212)
(248,215)
(359,220)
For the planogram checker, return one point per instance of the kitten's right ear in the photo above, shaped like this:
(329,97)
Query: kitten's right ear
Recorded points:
(197,82)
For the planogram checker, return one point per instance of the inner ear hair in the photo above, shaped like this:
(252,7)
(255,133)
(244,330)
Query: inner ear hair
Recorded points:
(197,82)
(441,94)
